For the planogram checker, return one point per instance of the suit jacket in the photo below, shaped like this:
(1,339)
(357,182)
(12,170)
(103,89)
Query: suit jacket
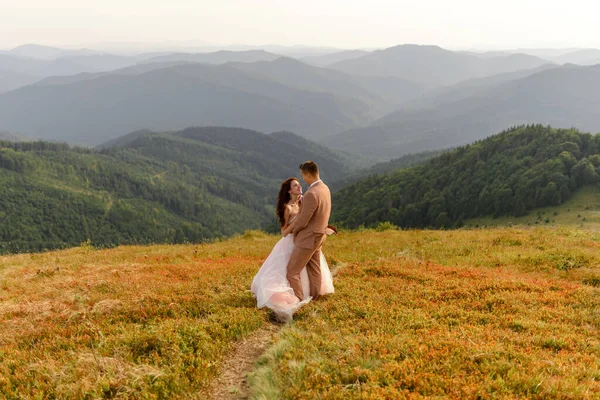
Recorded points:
(313,218)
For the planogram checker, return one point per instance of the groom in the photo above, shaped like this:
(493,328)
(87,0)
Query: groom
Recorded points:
(309,232)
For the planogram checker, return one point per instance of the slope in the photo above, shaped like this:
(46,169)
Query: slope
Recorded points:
(94,111)
(511,173)
(191,185)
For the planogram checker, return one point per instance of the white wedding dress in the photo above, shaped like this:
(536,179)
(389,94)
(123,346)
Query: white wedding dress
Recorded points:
(272,289)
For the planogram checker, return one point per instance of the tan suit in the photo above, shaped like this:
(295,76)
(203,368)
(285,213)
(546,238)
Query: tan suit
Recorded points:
(309,231)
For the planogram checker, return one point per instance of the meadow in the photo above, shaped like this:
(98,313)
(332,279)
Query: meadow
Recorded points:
(470,313)
(582,210)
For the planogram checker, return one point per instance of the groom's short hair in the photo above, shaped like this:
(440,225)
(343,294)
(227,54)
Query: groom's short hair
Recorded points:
(309,168)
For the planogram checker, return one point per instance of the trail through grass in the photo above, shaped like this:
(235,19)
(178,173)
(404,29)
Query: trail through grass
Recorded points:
(495,313)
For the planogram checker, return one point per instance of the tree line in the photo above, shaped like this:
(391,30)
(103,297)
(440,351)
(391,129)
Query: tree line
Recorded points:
(510,173)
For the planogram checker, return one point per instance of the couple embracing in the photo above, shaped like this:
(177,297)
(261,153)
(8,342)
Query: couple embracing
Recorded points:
(296,271)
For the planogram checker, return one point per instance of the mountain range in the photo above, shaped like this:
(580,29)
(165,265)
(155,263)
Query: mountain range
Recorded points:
(326,60)
(94,110)
(567,96)
(218,57)
(432,66)
(381,104)
(10,80)
(283,94)
(145,176)
(35,62)
(580,57)
(166,92)
(41,52)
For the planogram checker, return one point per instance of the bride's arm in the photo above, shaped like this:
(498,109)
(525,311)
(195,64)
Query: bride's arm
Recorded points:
(289,225)
(286,229)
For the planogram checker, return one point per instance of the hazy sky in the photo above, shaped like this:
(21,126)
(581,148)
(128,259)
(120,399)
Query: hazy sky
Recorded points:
(339,23)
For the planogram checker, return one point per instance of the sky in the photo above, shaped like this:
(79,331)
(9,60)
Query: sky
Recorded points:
(455,24)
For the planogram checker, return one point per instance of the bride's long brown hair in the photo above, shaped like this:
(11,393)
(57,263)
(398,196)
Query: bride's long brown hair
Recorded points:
(283,198)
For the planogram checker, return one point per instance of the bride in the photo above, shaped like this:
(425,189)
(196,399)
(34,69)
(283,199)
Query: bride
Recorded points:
(270,285)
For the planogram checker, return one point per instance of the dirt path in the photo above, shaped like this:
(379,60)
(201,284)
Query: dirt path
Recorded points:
(232,384)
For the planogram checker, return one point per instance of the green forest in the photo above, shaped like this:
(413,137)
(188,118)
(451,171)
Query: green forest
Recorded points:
(199,184)
(188,186)
(510,173)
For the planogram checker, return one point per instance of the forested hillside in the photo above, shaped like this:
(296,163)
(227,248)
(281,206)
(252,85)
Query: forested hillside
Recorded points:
(409,160)
(507,174)
(191,185)
(202,183)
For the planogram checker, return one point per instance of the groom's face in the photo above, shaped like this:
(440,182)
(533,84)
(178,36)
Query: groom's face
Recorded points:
(306,177)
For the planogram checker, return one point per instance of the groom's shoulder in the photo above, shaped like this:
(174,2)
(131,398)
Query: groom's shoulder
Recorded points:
(321,190)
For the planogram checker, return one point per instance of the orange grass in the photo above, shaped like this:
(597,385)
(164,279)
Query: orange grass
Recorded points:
(132,322)
(498,313)
(502,313)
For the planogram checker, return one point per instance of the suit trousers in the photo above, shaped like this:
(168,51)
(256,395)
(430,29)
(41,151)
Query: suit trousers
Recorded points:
(311,259)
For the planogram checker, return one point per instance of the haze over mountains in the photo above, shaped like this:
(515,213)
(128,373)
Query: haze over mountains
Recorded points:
(432,66)
(564,97)
(581,57)
(95,110)
(383,103)
(219,57)
(153,178)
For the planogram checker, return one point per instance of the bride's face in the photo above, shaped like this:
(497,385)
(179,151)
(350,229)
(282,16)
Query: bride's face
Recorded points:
(295,188)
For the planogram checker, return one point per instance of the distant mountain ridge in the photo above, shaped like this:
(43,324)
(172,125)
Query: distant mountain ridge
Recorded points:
(41,52)
(218,57)
(567,96)
(382,104)
(40,62)
(40,67)
(432,66)
(471,87)
(11,137)
(283,94)
(96,110)
(10,80)
(580,57)
(86,76)
(332,58)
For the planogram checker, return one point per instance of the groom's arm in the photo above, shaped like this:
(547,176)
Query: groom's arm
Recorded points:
(309,206)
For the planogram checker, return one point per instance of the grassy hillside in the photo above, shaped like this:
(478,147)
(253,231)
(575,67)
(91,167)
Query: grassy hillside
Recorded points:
(581,210)
(498,313)
(186,186)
